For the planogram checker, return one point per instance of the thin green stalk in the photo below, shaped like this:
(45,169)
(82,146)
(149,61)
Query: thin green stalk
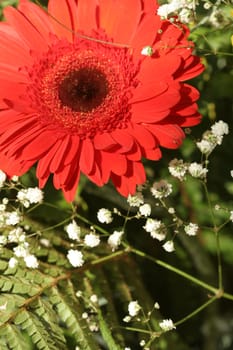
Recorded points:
(139,330)
(216,231)
(174,269)
(196,311)
(108,257)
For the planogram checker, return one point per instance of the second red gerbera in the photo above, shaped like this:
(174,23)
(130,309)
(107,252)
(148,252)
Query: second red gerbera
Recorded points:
(93,90)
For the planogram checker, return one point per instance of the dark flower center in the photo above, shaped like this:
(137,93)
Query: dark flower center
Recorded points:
(84,89)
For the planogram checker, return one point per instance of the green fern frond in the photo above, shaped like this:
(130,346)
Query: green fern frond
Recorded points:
(36,329)
(12,338)
(70,312)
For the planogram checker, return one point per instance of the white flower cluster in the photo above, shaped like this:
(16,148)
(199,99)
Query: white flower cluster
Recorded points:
(104,216)
(213,137)
(73,231)
(217,18)
(178,168)
(197,170)
(135,200)
(145,210)
(133,308)
(169,246)
(91,240)
(75,257)
(191,229)
(22,250)
(31,195)
(184,9)
(8,218)
(156,228)
(12,225)
(161,189)
(114,240)
(167,325)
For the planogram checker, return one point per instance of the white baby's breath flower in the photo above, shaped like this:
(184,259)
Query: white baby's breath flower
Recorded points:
(169,246)
(21,251)
(79,294)
(2,178)
(12,218)
(85,315)
(197,170)
(14,178)
(156,229)
(12,262)
(5,200)
(167,325)
(31,195)
(133,308)
(94,298)
(16,235)
(152,225)
(207,5)
(206,146)
(94,327)
(73,231)
(231,215)
(231,173)
(145,209)
(165,10)
(75,258)
(31,261)
(161,189)
(220,128)
(91,240)
(191,229)
(127,319)
(104,216)
(135,200)
(177,168)
(114,240)
(45,242)
(147,51)
(171,210)
(142,342)
(185,15)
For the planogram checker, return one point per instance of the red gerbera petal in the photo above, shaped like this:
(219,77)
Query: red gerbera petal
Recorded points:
(27,31)
(87,9)
(79,96)
(63,17)
(115,19)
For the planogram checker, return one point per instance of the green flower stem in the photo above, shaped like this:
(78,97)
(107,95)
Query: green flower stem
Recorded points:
(139,330)
(106,258)
(218,293)
(216,231)
(176,270)
(196,311)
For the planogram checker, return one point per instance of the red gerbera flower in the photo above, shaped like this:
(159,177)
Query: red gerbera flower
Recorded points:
(77,93)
